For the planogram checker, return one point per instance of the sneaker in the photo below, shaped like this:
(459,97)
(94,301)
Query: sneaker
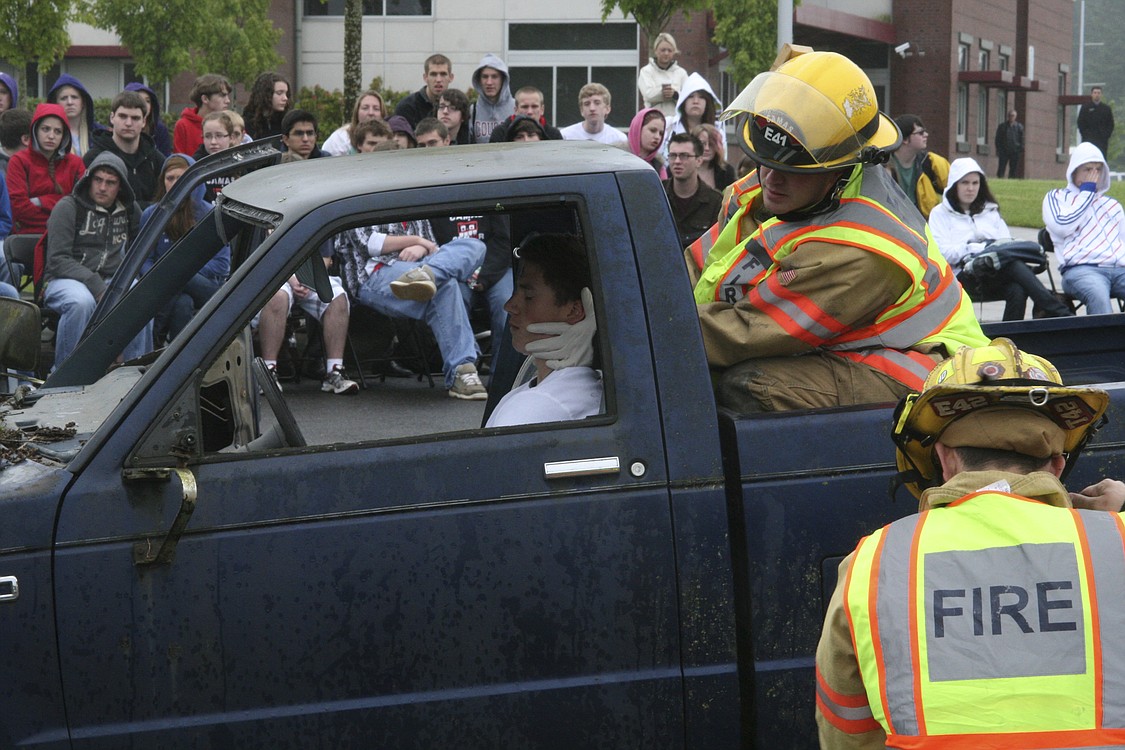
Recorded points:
(337,383)
(272,370)
(417,284)
(467,385)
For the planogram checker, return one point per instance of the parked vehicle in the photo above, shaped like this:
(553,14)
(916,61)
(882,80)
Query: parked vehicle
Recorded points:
(194,569)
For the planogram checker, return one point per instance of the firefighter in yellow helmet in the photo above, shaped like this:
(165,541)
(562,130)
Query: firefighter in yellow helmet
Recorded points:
(991,618)
(817,253)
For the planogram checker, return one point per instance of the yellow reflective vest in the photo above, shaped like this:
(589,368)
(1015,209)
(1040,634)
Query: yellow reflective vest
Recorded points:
(980,625)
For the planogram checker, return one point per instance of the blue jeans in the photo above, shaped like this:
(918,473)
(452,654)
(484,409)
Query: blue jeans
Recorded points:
(452,264)
(1094,286)
(179,312)
(75,306)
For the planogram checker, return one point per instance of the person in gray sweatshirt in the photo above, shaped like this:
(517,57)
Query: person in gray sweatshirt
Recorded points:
(494,103)
(86,237)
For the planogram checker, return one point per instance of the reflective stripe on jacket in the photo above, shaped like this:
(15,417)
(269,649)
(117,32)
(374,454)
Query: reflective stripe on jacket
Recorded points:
(934,310)
(980,625)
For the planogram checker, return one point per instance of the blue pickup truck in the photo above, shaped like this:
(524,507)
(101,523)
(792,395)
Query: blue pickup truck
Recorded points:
(193,568)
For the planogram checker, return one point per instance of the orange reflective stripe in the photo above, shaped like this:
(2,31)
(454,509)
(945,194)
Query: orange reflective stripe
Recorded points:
(703,245)
(907,367)
(876,639)
(912,619)
(795,313)
(850,714)
(1087,562)
(1089,739)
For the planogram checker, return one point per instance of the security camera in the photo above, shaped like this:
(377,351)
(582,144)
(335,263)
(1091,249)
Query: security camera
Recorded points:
(902,49)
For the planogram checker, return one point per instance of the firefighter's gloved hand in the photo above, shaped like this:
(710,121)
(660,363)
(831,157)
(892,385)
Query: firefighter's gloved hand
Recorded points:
(569,345)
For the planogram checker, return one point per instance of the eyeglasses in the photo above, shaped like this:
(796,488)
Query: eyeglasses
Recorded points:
(920,132)
(681,157)
(303,134)
(445,107)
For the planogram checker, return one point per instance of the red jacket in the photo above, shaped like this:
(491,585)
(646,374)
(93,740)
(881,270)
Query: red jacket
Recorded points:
(32,176)
(188,135)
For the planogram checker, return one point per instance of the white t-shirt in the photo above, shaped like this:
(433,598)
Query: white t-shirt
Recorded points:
(564,395)
(608,135)
(339,143)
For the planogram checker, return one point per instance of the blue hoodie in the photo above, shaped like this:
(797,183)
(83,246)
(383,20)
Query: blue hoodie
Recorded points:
(78,149)
(13,89)
(160,135)
(216,269)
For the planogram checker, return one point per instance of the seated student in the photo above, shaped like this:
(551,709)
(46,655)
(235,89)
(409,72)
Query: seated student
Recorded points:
(298,135)
(15,135)
(366,136)
(170,321)
(551,318)
(39,176)
(398,269)
(964,224)
(218,135)
(68,92)
(368,107)
(1088,230)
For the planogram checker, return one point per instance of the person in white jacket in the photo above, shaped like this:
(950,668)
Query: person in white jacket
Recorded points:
(695,104)
(964,225)
(1087,228)
(659,82)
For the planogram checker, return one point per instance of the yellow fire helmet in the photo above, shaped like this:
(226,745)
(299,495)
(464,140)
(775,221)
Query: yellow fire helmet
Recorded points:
(816,112)
(996,397)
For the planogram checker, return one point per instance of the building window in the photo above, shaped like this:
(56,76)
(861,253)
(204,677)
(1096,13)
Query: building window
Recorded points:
(1004,62)
(963,56)
(372,7)
(982,117)
(984,59)
(962,113)
(1001,105)
(560,58)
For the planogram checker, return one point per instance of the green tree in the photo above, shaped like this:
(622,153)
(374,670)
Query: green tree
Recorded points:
(652,15)
(237,39)
(353,52)
(158,35)
(748,31)
(33,31)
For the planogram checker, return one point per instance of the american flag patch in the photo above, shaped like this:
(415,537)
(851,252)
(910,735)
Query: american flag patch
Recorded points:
(787,276)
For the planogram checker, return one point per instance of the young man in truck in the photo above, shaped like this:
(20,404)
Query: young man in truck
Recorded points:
(989,619)
(821,285)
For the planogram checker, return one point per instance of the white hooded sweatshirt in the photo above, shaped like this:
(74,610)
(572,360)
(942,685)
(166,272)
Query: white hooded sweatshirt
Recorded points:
(1086,225)
(960,236)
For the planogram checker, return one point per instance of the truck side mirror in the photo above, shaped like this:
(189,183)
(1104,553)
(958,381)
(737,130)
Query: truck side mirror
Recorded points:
(19,334)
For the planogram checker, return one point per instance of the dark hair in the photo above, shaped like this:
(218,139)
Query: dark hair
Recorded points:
(524,124)
(984,196)
(907,123)
(183,218)
(562,260)
(709,113)
(15,123)
(431,125)
(457,99)
(437,59)
(294,116)
(980,459)
(696,144)
(208,85)
(261,120)
(129,100)
(378,128)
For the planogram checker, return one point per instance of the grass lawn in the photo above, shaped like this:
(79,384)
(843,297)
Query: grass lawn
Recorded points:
(1021,201)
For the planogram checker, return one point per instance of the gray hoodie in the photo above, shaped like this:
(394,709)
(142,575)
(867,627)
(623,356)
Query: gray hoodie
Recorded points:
(487,113)
(84,240)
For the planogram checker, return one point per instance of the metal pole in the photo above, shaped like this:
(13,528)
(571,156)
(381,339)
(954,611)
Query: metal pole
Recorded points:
(1081,46)
(784,22)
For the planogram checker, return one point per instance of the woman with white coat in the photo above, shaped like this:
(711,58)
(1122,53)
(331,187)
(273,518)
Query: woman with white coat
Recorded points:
(964,225)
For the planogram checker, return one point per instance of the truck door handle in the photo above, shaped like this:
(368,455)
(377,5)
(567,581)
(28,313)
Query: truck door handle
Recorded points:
(582,467)
(9,588)
(143,553)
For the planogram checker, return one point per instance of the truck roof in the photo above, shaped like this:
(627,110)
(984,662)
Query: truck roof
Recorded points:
(295,188)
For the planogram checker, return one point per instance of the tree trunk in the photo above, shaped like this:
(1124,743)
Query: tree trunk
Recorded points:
(353,54)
